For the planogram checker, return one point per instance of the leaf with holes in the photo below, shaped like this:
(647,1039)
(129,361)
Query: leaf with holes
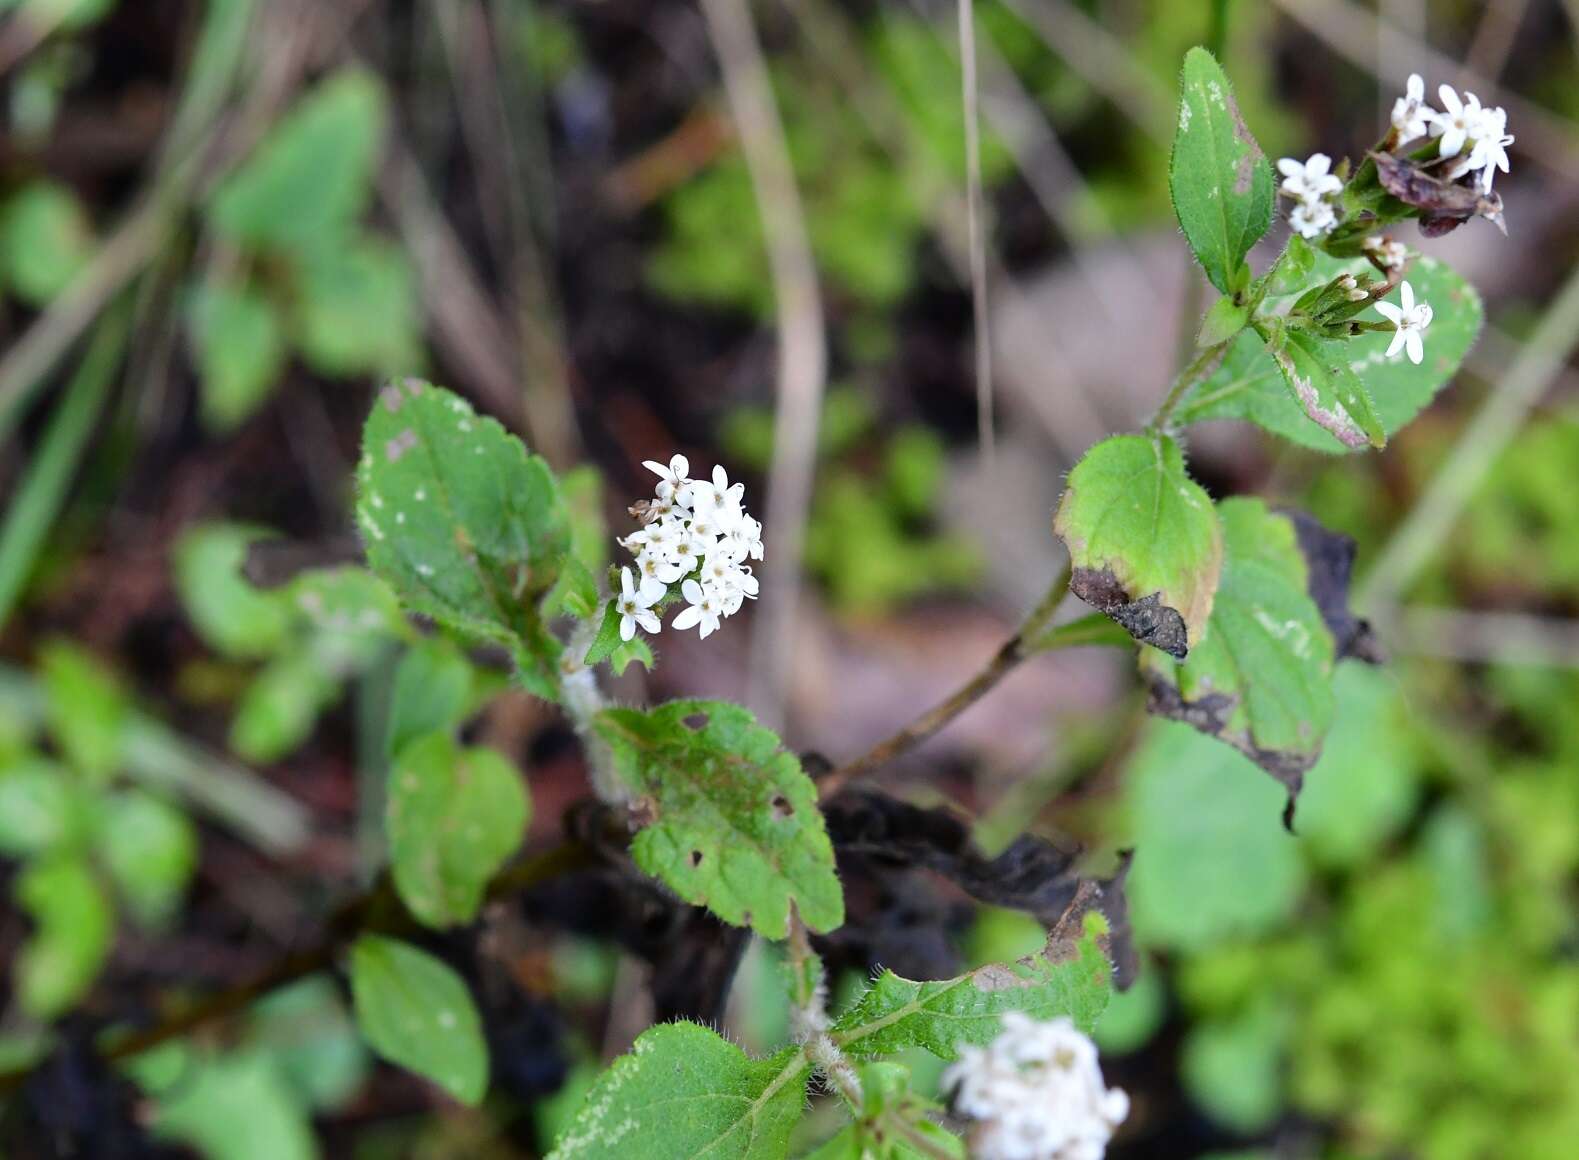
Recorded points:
(684,1091)
(1143,540)
(1220,181)
(1261,680)
(454,816)
(894,1013)
(734,824)
(462,522)
(416,1012)
(1250,386)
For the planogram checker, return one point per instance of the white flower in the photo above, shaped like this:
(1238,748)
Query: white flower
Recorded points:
(1035,1093)
(1312,219)
(1457,122)
(634,604)
(705,496)
(1412,117)
(704,608)
(671,479)
(1410,319)
(1310,180)
(1390,255)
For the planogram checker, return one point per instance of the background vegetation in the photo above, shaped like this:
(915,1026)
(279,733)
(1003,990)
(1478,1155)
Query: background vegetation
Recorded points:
(221,223)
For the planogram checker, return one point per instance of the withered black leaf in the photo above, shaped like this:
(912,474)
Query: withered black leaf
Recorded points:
(1329,560)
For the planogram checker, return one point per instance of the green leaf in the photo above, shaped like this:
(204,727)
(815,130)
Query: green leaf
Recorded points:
(45,240)
(1225,319)
(228,612)
(1261,678)
(734,821)
(1233,1068)
(74,927)
(150,849)
(240,347)
(347,615)
(1250,386)
(1211,861)
(607,639)
(576,593)
(1221,183)
(895,1013)
(236,1107)
(463,523)
(41,808)
(432,691)
(416,1012)
(279,708)
(357,312)
(1326,389)
(312,176)
(1143,540)
(308,1034)
(627,652)
(87,710)
(455,816)
(684,1091)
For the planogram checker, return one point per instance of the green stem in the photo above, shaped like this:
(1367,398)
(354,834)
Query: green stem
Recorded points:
(1203,364)
(1014,650)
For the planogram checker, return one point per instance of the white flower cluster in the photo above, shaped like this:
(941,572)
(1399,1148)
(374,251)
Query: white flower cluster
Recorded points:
(696,533)
(1035,1093)
(1410,321)
(1312,185)
(1473,134)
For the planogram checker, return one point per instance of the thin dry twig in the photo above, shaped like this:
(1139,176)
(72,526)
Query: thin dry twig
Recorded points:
(975,211)
(802,351)
(1486,637)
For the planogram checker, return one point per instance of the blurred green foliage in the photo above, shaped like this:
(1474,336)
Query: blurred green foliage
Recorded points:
(869,540)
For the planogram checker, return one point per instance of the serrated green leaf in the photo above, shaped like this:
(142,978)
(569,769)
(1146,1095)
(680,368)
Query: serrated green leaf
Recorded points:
(240,347)
(1261,677)
(312,175)
(607,639)
(454,816)
(464,524)
(45,240)
(628,652)
(432,690)
(1328,392)
(1211,861)
(229,613)
(735,825)
(576,592)
(74,925)
(1249,386)
(1143,540)
(416,1012)
(1221,182)
(357,311)
(684,1091)
(895,1013)
(87,710)
(150,849)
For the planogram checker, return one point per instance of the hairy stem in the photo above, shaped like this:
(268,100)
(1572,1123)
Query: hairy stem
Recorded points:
(1204,364)
(1004,661)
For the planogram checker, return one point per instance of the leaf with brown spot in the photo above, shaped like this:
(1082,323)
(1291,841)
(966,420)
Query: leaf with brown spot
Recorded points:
(734,825)
(1143,540)
(1262,679)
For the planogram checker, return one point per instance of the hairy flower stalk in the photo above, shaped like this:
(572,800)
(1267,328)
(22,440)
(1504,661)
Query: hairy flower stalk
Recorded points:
(1035,1093)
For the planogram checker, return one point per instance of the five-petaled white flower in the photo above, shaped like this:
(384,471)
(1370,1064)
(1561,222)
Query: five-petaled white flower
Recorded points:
(634,604)
(1457,122)
(1410,319)
(1035,1093)
(695,533)
(1412,117)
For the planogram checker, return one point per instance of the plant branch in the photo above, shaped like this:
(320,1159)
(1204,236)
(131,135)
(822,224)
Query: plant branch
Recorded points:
(1204,364)
(1014,650)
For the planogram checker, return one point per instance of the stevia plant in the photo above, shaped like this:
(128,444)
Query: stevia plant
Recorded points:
(1237,611)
